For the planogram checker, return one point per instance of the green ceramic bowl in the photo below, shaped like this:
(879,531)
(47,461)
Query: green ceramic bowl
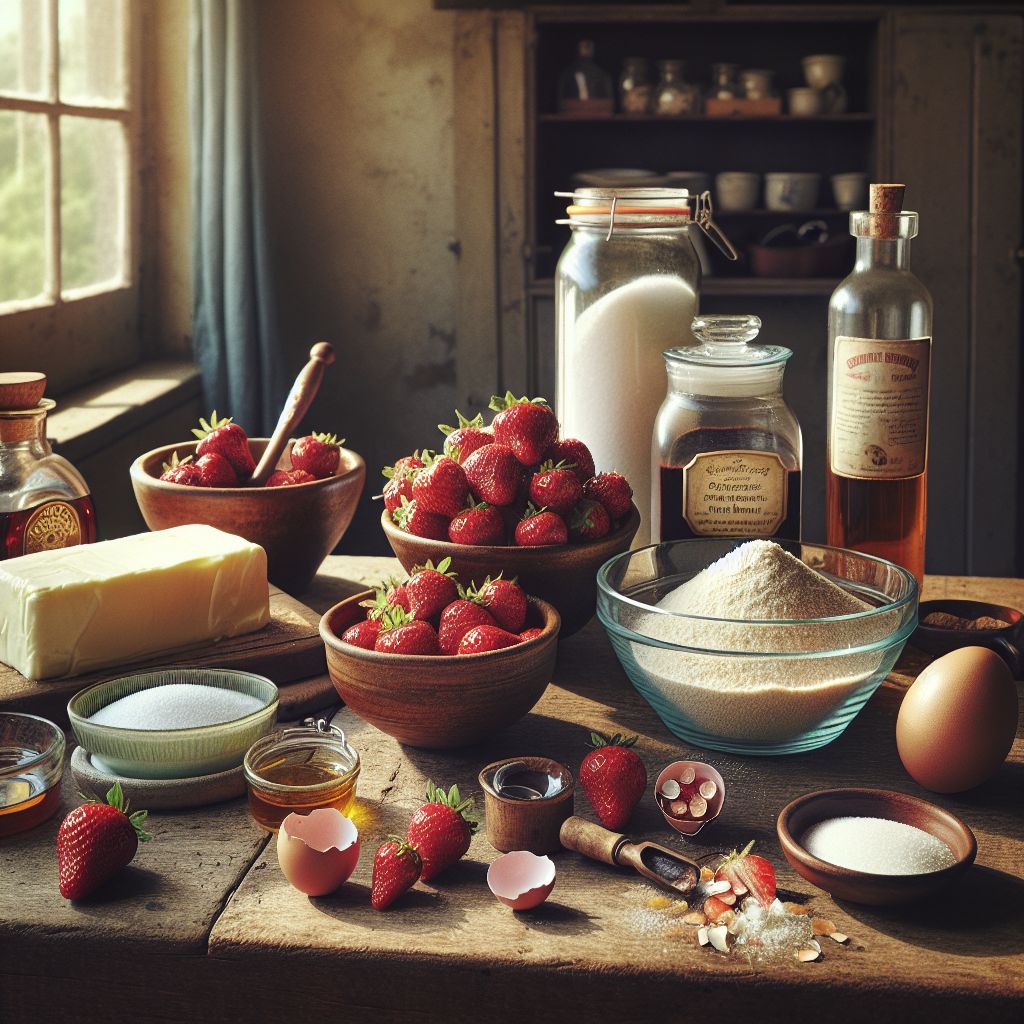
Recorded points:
(172,753)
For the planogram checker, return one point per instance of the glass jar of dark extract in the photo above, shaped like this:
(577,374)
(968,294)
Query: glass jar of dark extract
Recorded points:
(727,449)
(44,502)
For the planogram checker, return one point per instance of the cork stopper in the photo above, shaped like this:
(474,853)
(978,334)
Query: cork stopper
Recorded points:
(21,390)
(885,199)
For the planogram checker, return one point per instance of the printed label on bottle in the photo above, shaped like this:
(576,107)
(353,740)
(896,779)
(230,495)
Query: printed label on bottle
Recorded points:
(734,494)
(52,525)
(880,408)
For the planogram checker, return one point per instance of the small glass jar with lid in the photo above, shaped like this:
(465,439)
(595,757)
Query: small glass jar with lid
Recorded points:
(727,449)
(674,96)
(635,86)
(724,83)
(44,502)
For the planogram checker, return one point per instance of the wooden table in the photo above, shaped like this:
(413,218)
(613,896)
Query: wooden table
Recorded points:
(203,927)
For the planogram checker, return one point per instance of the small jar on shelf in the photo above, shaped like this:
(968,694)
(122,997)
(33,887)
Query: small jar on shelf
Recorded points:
(724,84)
(584,88)
(635,86)
(674,96)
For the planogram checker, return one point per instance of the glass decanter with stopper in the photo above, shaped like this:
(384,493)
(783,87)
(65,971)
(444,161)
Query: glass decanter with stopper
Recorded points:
(584,88)
(44,502)
(727,450)
(879,336)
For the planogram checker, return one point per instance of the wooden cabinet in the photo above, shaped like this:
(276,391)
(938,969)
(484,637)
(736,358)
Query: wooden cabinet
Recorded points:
(935,100)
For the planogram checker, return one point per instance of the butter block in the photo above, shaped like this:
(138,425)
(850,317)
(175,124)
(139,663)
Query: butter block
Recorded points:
(73,610)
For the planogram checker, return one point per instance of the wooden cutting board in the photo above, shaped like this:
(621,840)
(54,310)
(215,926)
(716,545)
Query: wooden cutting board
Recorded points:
(287,649)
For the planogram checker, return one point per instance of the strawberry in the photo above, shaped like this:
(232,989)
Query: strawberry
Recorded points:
(396,867)
(420,523)
(747,872)
(557,487)
(526,426)
(440,830)
(576,452)
(718,911)
(465,439)
(287,477)
(431,590)
(396,596)
(613,491)
(400,477)
(317,454)
(227,439)
(478,524)
(614,778)
(529,634)
(505,601)
(362,634)
(457,619)
(184,472)
(539,528)
(216,471)
(493,473)
(590,521)
(481,639)
(401,635)
(95,841)
(441,488)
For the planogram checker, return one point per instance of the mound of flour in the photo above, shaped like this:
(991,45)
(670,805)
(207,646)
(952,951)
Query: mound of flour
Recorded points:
(758,699)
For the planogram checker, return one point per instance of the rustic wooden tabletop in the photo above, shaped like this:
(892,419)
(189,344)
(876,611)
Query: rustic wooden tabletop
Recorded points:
(203,927)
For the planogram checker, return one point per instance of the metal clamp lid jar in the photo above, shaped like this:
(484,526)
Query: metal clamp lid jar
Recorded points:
(727,449)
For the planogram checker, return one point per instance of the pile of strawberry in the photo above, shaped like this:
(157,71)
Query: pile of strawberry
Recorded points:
(511,483)
(223,458)
(432,613)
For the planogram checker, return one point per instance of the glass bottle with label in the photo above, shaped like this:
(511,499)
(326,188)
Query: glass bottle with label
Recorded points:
(879,329)
(727,449)
(44,502)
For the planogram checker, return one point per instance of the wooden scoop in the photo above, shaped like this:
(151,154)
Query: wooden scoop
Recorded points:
(295,407)
(658,863)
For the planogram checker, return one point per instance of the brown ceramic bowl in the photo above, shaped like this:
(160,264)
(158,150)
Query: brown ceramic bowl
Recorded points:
(564,574)
(862,886)
(297,526)
(440,702)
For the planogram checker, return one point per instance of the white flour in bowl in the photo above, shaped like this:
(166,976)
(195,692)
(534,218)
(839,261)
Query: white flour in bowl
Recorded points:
(758,699)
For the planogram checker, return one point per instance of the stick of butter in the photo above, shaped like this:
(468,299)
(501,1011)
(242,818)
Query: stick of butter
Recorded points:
(72,610)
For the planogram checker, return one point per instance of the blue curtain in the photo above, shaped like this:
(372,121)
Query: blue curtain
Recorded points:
(233,335)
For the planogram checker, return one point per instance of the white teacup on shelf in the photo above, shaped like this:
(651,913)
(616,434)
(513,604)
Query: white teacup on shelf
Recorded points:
(824,72)
(850,191)
(757,84)
(791,190)
(804,102)
(736,191)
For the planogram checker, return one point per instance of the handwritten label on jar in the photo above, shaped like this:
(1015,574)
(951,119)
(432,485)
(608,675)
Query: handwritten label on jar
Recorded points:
(880,408)
(734,494)
(53,525)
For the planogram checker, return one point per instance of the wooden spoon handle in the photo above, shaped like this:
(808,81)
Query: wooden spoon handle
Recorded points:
(298,402)
(591,840)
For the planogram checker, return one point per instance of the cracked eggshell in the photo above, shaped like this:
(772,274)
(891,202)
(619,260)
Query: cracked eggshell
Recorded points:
(317,851)
(521,879)
(702,771)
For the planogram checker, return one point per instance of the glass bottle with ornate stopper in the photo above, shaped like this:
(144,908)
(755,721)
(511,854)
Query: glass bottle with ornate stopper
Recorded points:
(44,502)
(879,332)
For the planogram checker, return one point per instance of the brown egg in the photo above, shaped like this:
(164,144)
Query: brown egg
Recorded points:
(958,720)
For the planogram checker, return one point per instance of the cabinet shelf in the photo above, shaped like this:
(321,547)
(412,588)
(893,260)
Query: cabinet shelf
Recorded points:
(866,118)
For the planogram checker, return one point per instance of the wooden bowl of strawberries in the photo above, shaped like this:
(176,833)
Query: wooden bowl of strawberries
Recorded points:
(386,654)
(512,499)
(297,519)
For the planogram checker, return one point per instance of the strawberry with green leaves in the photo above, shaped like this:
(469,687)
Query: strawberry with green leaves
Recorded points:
(362,634)
(748,873)
(400,477)
(505,600)
(457,620)
(400,634)
(537,529)
(613,777)
(95,841)
(478,524)
(396,868)
(318,454)
(556,486)
(183,472)
(590,521)
(431,590)
(413,518)
(466,438)
(527,426)
(227,439)
(440,830)
(569,449)
(612,490)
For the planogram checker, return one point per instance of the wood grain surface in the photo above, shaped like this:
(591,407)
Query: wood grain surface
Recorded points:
(232,941)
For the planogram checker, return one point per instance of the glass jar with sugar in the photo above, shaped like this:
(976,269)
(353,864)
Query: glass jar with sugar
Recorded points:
(727,450)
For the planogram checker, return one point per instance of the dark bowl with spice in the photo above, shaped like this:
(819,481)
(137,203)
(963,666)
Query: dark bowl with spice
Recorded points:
(948,625)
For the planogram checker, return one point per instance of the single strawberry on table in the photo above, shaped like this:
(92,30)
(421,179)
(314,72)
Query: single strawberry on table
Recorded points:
(478,524)
(466,438)
(183,472)
(570,449)
(441,487)
(505,600)
(612,490)
(527,426)
(457,619)
(431,590)
(317,454)
(414,519)
(557,487)
(216,471)
(748,873)
(401,635)
(396,867)
(590,521)
(228,440)
(614,778)
(493,473)
(483,639)
(95,841)
(541,528)
(440,830)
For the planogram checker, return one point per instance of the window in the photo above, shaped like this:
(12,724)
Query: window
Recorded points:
(67,296)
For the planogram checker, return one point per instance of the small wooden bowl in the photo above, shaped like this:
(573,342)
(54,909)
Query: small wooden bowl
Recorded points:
(532,825)
(436,701)
(564,574)
(298,526)
(862,886)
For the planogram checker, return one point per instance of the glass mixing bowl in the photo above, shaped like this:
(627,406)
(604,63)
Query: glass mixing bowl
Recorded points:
(754,686)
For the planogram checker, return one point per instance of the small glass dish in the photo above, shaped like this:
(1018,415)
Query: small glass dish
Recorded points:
(31,766)
(298,770)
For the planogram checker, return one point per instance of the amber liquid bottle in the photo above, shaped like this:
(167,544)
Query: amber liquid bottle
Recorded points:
(879,330)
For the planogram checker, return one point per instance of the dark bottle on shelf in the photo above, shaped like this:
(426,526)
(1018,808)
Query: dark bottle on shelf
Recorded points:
(584,88)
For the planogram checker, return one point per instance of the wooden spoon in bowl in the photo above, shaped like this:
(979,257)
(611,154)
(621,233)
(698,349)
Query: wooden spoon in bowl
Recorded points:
(295,407)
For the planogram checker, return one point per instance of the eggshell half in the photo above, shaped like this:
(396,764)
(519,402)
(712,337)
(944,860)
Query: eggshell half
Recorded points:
(958,720)
(317,851)
(521,879)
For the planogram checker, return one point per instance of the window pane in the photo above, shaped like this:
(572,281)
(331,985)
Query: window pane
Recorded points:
(23,158)
(22,47)
(93,172)
(91,34)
